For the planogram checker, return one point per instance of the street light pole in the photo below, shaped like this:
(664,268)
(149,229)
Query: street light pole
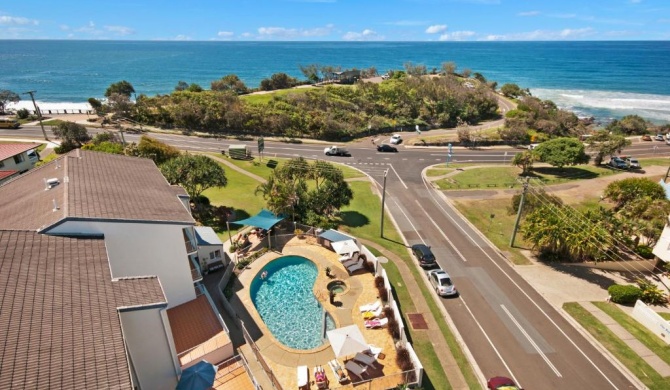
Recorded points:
(383,200)
(38,112)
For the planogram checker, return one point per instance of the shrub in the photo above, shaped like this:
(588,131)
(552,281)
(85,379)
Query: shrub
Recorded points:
(370,266)
(393,328)
(22,113)
(625,295)
(383,294)
(243,263)
(644,251)
(389,312)
(403,359)
(379,281)
(651,294)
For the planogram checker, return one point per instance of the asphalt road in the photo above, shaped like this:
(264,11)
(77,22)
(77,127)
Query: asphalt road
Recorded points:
(509,328)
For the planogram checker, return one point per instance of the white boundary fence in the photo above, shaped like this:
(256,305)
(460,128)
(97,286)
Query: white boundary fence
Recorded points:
(651,320)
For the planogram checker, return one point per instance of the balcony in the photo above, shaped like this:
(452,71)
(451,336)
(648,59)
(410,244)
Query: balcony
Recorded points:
(196,275)
(189,240)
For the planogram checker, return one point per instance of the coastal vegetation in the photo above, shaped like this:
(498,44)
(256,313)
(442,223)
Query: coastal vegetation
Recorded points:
(328,113)
(6,97)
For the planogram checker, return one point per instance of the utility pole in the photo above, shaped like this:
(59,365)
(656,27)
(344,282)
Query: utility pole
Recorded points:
(37,111)
(518,215)
(381,234)
(667,173)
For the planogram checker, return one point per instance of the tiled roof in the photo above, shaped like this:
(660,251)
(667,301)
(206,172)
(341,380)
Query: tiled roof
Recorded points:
(59,320)
(11,150)
(193,323)
(92,185)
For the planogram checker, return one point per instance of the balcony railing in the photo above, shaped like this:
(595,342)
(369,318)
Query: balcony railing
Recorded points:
(196,275)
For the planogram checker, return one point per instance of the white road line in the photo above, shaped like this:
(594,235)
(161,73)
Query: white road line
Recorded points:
(399,178)
(442,232)
(409,220)
(537,306)
(532,342)
(489,340)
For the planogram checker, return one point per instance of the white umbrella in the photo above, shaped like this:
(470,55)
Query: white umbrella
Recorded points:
(345,247)
(347,341)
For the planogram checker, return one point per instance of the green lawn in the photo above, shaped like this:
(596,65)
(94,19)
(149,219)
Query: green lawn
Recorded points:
(432,172)
(665,315)
(646,337)
(508,177)
(617,347)
(263,98)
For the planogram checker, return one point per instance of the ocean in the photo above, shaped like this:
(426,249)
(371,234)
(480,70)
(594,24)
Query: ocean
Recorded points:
(605,80)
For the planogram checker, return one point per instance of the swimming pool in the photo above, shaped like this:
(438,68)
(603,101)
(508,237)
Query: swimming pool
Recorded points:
(286,303)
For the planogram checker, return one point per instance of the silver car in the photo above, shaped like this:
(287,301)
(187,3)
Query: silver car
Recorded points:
(442,283)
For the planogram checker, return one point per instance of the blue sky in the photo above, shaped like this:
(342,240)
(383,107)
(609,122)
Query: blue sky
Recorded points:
(337,20)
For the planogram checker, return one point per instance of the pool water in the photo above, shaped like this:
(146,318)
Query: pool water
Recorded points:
(286,303)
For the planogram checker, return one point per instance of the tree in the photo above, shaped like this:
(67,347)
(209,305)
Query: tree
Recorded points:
(6,97)
(560,152)
(415,70)
(466,73)
(311,72)
(181,86)
(524,160)
(230,83)
(194,88)
(448,68)
(287,191)
(605,144)
(632,189)
(628,125)
(513,91)
(119,104)
(195,173)
(96,105)
(479,77)
(154,149)
(278,81)
(122,88)
(73,135)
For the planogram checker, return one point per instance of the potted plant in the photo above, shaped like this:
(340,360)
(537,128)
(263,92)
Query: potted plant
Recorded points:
(299,233)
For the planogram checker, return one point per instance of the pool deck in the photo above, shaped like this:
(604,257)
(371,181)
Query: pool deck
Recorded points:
(360,290)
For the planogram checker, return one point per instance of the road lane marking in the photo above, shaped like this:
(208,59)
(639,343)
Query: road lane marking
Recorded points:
(399,178)
(442,232)
(537,306)
(532,342)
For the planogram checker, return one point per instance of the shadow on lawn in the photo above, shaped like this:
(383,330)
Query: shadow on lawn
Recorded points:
(565,173)
(354,219)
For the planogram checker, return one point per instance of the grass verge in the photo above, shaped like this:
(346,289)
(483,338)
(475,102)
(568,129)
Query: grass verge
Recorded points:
(617,347)
(639,331)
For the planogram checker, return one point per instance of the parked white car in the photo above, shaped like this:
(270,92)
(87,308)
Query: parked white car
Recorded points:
(442,283)
(396,139)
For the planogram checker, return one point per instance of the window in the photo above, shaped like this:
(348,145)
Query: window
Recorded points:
(2,164)
(217,253)
(211,255)
(19,158)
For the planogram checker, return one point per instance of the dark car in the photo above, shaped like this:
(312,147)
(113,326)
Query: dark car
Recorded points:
(424,255)
(502,383)
(386,148)
(617,162)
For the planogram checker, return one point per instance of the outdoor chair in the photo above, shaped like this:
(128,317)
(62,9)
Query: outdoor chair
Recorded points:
(376,323)
(303,377)
(370,306)
(353,367)
(368,315)
(356,266)
(320,378)
(338,371)
(365,359)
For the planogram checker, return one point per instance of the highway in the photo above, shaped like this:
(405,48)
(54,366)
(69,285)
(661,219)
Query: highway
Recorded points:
(508,327)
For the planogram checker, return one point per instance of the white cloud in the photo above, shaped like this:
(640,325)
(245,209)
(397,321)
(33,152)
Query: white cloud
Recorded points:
(64,27)
(437,28)
(544,35)
(457,36)
(16,21)
(181,37)
(246,35)
(225,34)
(529,13)
(282,32)
(366,35)
(120,30)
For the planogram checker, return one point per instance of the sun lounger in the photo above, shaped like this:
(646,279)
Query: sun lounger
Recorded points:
(365,359)
(338,371)
(374,351)
(356,266)
(370,306)
(352,366)
(349,262)
(320,378)
(303,377)
(368,315)
(376,323)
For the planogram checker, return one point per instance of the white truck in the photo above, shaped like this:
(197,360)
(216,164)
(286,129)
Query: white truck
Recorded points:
(336,151)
